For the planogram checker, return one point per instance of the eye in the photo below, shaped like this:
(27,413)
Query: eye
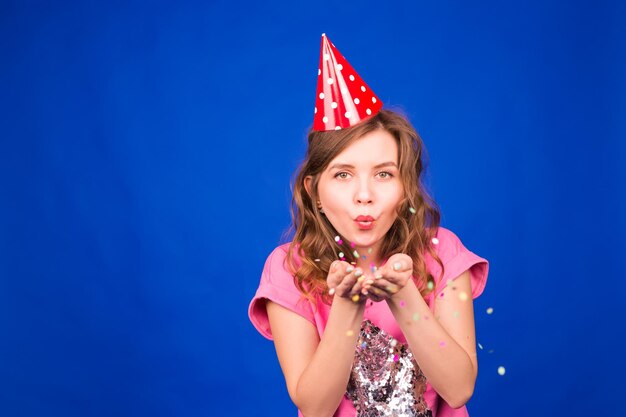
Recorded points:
(342,175)
(385,175)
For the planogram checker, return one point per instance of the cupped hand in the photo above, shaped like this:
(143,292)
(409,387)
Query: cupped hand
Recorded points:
(391,277)
(346,281)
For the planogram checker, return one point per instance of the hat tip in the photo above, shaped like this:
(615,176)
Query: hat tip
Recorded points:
(323,35)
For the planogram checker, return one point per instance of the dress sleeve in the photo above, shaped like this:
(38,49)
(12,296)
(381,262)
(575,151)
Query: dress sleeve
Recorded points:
(457,259)
(277,284)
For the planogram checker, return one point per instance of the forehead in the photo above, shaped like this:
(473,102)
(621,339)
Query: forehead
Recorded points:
(372,148)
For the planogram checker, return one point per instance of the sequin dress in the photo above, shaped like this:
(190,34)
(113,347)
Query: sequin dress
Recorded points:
(385,380)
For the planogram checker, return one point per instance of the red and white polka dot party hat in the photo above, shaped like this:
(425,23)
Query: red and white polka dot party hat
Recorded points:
(342,99)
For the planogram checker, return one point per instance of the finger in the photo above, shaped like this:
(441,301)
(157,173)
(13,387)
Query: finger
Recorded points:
(376,294)
(385,285)
(399,263)
(351,274)
(336,273)
(361,278)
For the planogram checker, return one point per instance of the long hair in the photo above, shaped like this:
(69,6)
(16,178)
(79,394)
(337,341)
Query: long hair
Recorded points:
(417,219)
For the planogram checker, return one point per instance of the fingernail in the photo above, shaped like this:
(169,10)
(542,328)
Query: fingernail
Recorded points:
(331,291)
(369,282)
(364,291)
(358,273)
(397,266)
(349,269)
(361,278)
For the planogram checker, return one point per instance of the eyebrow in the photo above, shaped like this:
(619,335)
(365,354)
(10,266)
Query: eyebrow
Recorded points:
(381,165)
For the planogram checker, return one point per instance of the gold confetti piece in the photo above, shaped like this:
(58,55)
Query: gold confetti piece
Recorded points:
(316,259)
(356,298)
(501,370)
(489,310)
(463,296)
(349,333)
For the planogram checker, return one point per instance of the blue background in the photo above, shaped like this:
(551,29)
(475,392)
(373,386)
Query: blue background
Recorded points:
(145,160)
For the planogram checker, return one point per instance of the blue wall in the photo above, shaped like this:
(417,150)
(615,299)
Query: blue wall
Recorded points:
(146,150)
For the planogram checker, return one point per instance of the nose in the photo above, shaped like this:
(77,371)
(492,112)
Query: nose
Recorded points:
(363,194)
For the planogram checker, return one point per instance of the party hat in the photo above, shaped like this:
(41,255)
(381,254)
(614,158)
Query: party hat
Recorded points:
(342,99)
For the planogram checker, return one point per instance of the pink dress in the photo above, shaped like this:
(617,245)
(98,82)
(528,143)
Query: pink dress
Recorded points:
(379,327)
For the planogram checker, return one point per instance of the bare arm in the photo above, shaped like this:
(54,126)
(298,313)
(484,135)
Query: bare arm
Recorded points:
(317,370)
(444,346)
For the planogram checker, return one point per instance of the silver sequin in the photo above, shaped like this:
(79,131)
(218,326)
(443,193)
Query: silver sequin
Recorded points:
(385,380)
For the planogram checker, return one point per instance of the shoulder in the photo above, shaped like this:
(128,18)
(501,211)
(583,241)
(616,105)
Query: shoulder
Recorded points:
(276,267)
(447,244)
(456,259)
(277,285)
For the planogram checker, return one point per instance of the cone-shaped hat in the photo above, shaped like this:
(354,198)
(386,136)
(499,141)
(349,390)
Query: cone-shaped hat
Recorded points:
(342,99)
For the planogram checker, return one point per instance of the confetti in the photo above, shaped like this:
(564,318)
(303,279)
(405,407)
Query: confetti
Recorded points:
(349,333)
(356,298)
(369,251)
(363,345)
(501,370)
(340,242)
(337,238)
(489,310)
(442,343)
(352,244)
(463,296)
(356,254)
(331,291)
(393,342)
(402,303)
(430,285)
(480,346)
(341,255)
(412,210)
(363,257)
(435,241)
(395,358)
(416,317)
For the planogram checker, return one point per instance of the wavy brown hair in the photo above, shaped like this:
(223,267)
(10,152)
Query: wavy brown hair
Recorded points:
(411,233)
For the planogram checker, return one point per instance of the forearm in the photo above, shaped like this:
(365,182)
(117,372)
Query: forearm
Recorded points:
(443,361)
(323,383)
